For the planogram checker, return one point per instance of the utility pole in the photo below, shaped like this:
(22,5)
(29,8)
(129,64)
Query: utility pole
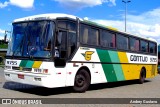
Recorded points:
(5,35)
(126,1)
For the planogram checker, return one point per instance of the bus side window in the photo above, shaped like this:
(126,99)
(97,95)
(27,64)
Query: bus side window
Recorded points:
(144,46)
(137,45)
(84,34)
(152,47)
(59,38)
(122,42)
(61,43)
(93,37)
(60,54)
(113,43)
(71,42)
(72,27)
(107,39)
(104,39)
(134,44)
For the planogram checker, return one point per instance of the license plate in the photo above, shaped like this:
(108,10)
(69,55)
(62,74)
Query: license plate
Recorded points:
(21,76)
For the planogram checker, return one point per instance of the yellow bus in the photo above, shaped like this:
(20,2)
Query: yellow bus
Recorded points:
(59,50)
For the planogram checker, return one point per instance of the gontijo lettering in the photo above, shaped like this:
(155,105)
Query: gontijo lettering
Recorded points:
(138,58)
(141,58)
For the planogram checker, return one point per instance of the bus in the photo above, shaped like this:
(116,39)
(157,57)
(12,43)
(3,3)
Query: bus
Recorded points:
(61,50)
(159,59)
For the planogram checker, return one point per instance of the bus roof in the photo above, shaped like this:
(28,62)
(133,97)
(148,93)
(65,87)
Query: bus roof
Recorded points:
(45,17)
(52,16)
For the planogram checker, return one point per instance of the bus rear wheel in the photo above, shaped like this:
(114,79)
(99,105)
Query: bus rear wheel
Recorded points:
(142,76)
(82,81)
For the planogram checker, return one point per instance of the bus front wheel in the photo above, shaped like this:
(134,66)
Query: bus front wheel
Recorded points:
(82,81)
(142,76)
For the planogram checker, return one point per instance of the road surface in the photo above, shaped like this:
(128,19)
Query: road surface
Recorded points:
(125,89)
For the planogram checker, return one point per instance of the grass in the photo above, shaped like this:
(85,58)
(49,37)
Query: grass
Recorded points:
(3,46)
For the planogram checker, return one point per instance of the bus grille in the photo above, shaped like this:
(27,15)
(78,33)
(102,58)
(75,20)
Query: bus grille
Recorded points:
(22,69)
(27,69)
(16,68)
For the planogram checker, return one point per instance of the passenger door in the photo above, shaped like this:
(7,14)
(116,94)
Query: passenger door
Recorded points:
(60,59)
(61,48)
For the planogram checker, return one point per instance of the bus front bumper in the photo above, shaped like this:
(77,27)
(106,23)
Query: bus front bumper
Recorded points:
(28,78)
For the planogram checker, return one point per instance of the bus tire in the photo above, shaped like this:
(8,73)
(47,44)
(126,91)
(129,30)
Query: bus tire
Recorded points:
(82,81)
(142,76)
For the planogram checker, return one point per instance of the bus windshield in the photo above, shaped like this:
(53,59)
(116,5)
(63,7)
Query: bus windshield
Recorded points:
(31,39)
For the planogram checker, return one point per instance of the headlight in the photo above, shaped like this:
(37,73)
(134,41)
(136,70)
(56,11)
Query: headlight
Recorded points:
(8,67)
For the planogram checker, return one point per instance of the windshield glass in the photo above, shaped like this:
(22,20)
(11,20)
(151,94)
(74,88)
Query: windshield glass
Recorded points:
(31,39)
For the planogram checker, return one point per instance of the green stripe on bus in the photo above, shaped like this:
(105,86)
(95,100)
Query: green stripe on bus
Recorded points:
(29,64)
(117,67)
(107,68)
(23,63)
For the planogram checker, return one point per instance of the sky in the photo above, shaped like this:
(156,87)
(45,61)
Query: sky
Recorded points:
(143,16)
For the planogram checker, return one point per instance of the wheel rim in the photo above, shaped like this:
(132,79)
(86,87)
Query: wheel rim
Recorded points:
(80,80)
